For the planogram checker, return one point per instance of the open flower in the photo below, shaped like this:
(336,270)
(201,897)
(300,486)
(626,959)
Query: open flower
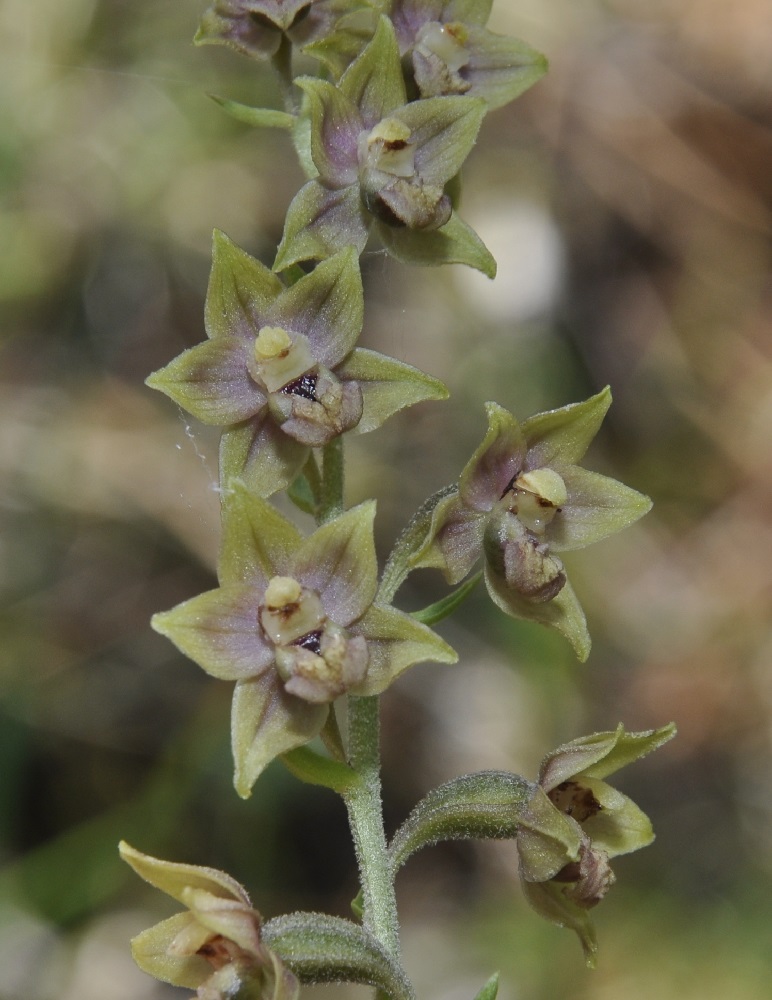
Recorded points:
(452,52)
(281,370)
(379,162)
(520,500)
(255,27)
(294,624)
(215,946)
(564,851)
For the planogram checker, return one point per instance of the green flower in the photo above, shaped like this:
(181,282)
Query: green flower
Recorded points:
(280,369)
(522,499)
(565,848)
(377,162)
(451,51)
(215,946)
(294,624)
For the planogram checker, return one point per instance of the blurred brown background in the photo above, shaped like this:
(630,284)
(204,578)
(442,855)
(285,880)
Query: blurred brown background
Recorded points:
(628,200)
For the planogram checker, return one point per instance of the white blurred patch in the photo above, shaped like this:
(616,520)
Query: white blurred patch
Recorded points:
(529,251)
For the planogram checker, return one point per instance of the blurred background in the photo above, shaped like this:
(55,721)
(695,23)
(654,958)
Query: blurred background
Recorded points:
(628,200)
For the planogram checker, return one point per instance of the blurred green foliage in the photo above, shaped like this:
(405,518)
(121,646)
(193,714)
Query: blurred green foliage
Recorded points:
(628,200)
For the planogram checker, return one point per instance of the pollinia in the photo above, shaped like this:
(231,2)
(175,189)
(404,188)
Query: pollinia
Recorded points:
(303,623)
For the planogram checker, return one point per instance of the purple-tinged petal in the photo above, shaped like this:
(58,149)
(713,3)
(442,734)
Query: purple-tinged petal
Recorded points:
(563,613)
(240,292)
(495,463)
(408,16)
(326,305)
(374,81)
(564,435)
(257,542)
(387,386)
(454,542)
(212,382)
(500,69)
(267,722)
(395,642)
(597,507)
(444,130)
(262,455)
(220,631)
(319,222)
(600,754)
(338,561)
(228,23)
(336,125)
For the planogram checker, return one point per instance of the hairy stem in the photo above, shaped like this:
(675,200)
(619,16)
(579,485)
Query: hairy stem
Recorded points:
(331,503)
(363,801)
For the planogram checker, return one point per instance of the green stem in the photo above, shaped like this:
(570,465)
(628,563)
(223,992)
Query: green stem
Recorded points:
(332,480)
(282,63)
(363,801)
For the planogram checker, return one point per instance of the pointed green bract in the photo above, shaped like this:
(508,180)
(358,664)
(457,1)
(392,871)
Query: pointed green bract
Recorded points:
(437,612)
(490,990)
(257,117)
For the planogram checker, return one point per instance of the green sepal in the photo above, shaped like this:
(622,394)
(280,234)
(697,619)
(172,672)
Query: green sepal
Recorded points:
(257,541)
(374,81)
(434,613)
(324,949)
(314,769)
(563,436)
(550,902)
(387,385)
(444,130)
(258,117)
(454,243)
(601,754)
(266,723)
(319,221)
(484,805)
(563,613)
(240,291)
(597,507)
(174,878)
(490,989)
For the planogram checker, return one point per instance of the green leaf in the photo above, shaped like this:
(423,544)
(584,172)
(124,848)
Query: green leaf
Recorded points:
(258,117)
(314,769)
(387,386)
(490,989)
(484,805)
(435,613)
(454,243)
(323,949)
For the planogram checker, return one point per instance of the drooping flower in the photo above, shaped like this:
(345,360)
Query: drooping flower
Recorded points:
(294,624)
(255,27)
(215,946)
(378,162)
(451,51)
(280,369)
(564,855)
(521,499)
